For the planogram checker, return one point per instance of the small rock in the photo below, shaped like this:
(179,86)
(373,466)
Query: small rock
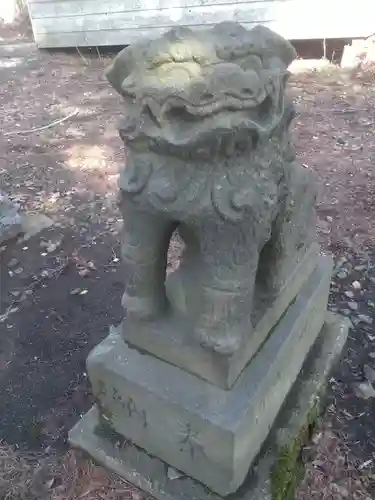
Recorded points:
(365,465)
(349,294)
(365,319)
(12,263)
(369,373)
(364,390)
(174,474)
(356,285)
(353,305)
(342,274)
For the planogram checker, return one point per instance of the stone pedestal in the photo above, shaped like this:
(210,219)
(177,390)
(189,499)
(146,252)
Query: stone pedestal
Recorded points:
(273,474)
(213,362)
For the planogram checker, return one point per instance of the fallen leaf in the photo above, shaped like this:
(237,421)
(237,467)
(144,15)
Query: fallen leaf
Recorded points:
(364,465)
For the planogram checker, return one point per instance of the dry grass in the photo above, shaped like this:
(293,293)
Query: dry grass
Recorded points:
(32,477)
(19,474)
(334,473)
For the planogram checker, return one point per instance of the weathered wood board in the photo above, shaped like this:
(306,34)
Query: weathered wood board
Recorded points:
(78,23)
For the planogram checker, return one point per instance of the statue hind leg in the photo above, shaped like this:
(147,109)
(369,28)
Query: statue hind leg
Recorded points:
(293,233)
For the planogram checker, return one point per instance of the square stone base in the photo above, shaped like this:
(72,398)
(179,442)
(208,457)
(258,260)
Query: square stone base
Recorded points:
(209,433)
(281,449)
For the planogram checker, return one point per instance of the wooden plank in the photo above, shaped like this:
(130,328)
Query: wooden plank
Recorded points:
(62,8)
(124,3)
(100,38)
(127,36)
(160,18)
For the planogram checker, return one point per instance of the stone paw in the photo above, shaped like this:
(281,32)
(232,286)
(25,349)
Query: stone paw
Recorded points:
(143,308)
(223,341)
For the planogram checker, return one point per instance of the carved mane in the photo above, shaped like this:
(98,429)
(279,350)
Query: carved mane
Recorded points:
(197,96)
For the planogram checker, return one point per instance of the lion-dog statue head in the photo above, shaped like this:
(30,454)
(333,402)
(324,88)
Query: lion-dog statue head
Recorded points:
(203,97)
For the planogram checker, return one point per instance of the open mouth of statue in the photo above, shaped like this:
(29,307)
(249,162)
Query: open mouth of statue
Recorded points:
(178,124)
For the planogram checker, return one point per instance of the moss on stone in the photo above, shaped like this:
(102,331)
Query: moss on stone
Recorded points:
(289,469)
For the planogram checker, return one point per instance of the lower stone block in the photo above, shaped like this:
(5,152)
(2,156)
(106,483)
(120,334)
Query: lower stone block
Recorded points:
(211,434)
(273,474)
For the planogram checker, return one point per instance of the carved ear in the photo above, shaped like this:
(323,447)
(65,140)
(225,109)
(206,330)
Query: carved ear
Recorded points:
(272,44)
(119,69)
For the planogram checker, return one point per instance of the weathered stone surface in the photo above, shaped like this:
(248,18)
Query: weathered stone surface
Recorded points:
(10,220)
(208,151)
(213,435)
(173,341)
(151,474)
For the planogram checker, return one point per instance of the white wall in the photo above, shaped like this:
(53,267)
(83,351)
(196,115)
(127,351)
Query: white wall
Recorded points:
(70,23)
(9,10)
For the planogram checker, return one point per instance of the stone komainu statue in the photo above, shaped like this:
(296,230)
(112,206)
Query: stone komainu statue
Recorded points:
(207,146)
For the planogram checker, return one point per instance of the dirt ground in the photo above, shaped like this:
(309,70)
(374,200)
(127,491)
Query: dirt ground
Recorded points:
(61,290)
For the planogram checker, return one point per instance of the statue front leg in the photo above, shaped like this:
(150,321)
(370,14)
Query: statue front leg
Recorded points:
(144,249)
(229,260)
